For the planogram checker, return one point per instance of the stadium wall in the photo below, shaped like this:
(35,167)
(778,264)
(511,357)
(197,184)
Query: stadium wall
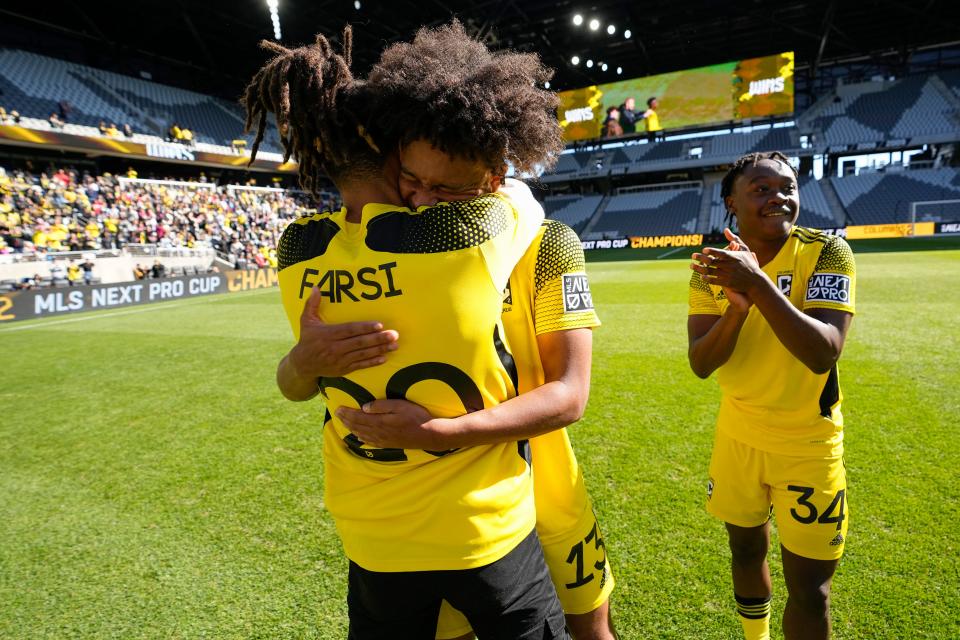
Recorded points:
(41,303)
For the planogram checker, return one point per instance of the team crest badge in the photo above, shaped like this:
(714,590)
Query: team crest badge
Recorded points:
(785,283)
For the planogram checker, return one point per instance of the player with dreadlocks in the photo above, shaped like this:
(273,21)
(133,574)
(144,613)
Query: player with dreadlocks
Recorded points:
(419,526)
(771,312)
(438,90)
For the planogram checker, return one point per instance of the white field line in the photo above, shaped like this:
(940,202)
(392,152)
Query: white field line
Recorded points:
(158,306)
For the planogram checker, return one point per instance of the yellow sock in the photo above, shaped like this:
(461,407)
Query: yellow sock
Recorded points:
(754,614)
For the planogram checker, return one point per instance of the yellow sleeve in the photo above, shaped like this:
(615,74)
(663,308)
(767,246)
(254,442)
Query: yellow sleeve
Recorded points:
(503,254)
(833,283)
(562,298)
(701,298)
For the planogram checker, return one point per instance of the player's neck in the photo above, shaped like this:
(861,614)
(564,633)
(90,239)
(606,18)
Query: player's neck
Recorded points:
(357,194)
(765,249)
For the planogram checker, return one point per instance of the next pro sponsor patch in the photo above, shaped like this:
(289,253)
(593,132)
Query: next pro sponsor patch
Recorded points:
(576,293)
(828,287)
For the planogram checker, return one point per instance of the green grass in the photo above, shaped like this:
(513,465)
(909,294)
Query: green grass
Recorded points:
(154,484)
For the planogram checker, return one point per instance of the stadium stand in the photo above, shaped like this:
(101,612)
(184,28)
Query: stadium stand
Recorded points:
(35,85)
(573,210)
(650,213)
(914,108)
(67,211)
(876,198)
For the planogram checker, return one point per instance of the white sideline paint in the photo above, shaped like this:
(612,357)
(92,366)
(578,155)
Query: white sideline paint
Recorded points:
(21,326)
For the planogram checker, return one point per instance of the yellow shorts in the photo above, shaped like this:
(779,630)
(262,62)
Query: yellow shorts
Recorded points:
(807,495)
(571,539)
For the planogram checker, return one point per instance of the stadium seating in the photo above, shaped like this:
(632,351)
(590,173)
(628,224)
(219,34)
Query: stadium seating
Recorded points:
(650,213)
(35,84)
(876,198)
(573,210)
(913,108)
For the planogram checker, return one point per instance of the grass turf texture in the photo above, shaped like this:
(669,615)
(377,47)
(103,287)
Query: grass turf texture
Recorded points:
(155,484)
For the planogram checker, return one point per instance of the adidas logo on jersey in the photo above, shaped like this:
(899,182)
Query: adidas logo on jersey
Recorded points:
(838,540)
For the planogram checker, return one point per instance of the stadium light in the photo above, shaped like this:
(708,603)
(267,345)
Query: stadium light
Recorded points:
(273,5)
(627,34)
(619,70)
(594,24)
(611,29)
(546,85)
(589,64)
(575,60)
(578,19)
(356,4)
(603,66)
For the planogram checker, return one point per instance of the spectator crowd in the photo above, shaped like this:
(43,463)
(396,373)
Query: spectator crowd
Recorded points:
(70,210)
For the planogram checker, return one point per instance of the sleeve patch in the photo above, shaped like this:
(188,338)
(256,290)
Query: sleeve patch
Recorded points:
(828,287)
(576,293)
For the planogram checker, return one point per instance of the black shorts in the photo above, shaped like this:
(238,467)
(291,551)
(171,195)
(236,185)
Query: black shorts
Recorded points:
(510,599)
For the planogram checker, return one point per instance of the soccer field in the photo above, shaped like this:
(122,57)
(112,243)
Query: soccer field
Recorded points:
(154,483)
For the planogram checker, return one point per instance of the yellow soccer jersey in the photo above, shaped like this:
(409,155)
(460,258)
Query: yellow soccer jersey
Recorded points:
(549,292)
(653,122)
(771,400)
(436,276)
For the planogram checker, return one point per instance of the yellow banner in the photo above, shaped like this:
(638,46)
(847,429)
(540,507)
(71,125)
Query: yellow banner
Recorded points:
(901,230)
(688,240)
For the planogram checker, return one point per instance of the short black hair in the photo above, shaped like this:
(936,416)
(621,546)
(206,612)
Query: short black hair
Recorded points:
(650,101)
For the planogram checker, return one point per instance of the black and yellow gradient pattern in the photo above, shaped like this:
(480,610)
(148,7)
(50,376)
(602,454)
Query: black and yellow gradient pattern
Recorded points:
(451,226)
(560,253)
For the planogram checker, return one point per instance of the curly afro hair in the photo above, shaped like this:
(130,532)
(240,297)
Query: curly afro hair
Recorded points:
(467,101)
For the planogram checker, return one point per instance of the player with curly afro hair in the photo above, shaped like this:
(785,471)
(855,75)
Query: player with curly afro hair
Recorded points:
(461,114)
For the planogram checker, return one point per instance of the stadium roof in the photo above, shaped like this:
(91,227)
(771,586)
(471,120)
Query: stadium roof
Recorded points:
(213,43)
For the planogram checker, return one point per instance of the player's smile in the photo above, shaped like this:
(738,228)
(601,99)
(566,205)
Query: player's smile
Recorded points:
(766,201)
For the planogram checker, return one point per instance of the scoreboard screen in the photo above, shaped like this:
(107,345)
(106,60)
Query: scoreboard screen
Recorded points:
(717,93)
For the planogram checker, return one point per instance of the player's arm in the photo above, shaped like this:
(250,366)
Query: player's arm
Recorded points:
(329,350)
(711,339)
(815,337)
(559,402)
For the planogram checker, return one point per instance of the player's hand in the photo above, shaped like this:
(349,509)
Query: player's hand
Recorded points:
(330,350)
(393,424)
(738,301)
(735,269)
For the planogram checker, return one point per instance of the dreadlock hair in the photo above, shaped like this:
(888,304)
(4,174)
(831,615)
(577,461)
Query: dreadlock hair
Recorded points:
(749,160)
(452,91)
(319,110)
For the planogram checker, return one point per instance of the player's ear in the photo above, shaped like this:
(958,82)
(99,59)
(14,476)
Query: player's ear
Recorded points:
(497,177)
